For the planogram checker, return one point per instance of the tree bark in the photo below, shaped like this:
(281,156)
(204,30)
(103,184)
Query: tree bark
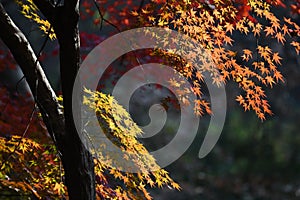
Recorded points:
(77,161)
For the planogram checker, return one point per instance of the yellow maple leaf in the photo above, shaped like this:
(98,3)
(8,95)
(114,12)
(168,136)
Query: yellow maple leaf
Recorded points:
(269,31)
(270,80)
(276,58)
(134,13)
(25,8)
(280,38)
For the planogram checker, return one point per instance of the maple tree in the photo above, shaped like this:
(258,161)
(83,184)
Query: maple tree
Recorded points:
(212,23)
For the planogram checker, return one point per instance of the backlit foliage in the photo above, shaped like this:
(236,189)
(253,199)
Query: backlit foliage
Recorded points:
(30,168)
(213,24)
(31,12)
(33,168)
(123,132)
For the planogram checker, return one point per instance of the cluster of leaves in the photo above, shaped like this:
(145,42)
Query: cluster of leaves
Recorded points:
(34,168)
(213,24)
(30,11)
(123,132)
(30,168)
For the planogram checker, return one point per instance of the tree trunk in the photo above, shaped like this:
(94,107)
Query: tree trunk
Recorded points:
(77,160)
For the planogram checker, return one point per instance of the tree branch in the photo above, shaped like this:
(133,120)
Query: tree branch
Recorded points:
(34,74)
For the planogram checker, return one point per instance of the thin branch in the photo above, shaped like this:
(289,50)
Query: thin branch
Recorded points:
(103,19)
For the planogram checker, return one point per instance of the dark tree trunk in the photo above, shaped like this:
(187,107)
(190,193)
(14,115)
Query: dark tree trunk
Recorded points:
(77,161)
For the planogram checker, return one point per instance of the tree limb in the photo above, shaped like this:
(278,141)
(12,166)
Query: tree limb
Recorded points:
(34,74)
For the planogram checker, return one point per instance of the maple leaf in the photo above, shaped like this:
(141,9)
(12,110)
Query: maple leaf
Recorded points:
(134,13)
(275,25)
(261,116)
(228,40)
(25,8)
(270,80)
(264,70)
(151,18)
(269,31)
(240,99)
(229,27)
(297,46)
(256,30)
(278,76)
(247,54)
(295,9)
(285,30)
(276,58)
(280,38)
(288,20)
(145,11)
(197,91)
(176,186)
(225,74)
(199,76)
